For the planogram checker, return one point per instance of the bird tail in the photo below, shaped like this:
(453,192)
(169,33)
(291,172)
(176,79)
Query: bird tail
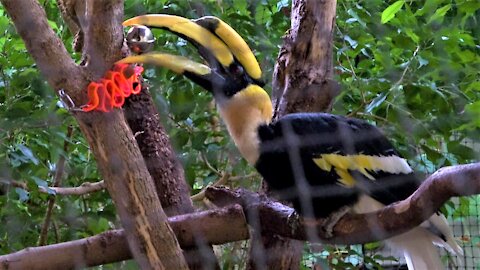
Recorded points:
(439,223)
(417,247)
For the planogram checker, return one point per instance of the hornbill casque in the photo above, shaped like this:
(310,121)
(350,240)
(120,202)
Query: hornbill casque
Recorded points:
(324,164)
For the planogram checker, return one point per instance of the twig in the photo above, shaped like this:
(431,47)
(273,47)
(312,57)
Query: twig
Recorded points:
(209,166)
(222,181)
(201,195)
(84,188)
(60,169)
(55,231)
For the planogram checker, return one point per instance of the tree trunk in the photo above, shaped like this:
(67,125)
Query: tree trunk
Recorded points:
(302,82)
(165,169)
(150,238)
(303,75)
(149,235)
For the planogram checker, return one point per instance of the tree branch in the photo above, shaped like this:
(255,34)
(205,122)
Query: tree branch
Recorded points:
(228,224)
(302,82)
(111,246)
(461,180)
(164,167)
(83,189)
(59,171)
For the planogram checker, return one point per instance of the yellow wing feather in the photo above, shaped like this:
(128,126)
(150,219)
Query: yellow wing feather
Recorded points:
(361,163)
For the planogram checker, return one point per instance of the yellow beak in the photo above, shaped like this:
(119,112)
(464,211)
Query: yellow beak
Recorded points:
(177,64)
(221,40)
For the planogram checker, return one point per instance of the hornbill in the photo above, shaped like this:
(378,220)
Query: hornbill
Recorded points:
(324,164)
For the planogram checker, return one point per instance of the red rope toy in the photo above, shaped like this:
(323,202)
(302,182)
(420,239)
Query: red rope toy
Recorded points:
(110,92)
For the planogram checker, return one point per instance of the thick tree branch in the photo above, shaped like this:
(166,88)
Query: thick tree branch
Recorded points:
(164,167)
(302,82)
(161,160)
(111,246)
(228,224)
(461,180)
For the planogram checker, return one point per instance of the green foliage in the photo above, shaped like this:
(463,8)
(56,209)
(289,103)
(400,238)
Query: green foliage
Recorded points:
(390,11)
(410,67)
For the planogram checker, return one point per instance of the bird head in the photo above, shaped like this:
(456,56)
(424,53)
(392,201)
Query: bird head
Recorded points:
(231,73)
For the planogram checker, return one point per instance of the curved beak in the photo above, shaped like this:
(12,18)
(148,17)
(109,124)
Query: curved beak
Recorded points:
(218,43)
(177,64)
(198,73)
(235,43)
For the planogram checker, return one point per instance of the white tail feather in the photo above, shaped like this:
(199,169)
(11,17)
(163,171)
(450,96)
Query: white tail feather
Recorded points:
(440,222)
(417,245)
(417,248)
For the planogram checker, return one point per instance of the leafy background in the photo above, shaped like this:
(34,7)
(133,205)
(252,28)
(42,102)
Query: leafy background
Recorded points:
(409,67)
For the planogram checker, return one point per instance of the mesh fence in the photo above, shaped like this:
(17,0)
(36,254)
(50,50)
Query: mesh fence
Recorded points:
(387,81)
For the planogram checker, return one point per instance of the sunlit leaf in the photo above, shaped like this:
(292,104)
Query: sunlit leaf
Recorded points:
(439,13)
(390,11)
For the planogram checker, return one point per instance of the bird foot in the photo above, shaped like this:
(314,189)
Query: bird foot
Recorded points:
(293,221)
(330,222)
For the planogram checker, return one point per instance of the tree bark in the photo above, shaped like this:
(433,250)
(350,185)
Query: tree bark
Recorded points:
(131,187)
(165,169)
(112,246)
(150,238)
(394,219)
(161,160)
(302,82)
(303,75)
(229,224)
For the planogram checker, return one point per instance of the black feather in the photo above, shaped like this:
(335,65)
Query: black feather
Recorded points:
(289,145)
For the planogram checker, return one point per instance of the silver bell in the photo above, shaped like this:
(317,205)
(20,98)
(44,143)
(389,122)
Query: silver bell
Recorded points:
(140,39)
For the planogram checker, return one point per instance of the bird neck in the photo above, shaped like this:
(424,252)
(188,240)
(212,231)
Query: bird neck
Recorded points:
(243,113)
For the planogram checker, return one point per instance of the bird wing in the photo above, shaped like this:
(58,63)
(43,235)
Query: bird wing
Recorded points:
(349,152)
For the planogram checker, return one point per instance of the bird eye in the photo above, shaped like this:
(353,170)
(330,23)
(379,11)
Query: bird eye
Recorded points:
(236,69)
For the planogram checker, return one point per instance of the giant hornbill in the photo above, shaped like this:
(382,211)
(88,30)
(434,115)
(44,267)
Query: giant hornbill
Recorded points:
(320,162)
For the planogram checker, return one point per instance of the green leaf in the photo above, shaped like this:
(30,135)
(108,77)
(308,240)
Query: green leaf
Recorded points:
(376,102)
(22,194)
(428,6)
(412,35)
(40,182)
(53,25)
(198,141)
(439,14)
(27,153)
(389,12)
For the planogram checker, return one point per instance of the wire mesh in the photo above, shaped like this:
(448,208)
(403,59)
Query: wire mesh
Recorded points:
(463,213)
